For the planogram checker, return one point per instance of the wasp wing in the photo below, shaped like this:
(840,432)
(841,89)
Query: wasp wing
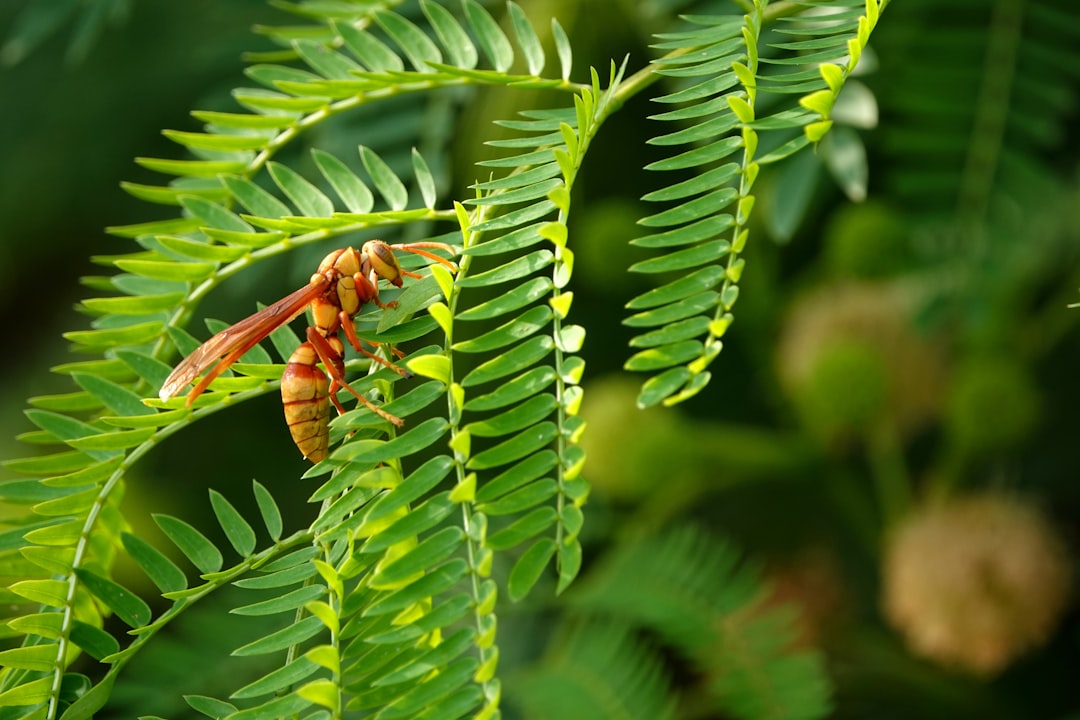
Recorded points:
(232,342)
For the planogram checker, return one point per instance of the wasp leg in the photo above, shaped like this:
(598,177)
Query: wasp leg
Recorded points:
(332,361)
(349,327)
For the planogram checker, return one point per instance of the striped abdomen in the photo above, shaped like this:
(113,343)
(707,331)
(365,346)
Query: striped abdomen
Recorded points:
(305,392)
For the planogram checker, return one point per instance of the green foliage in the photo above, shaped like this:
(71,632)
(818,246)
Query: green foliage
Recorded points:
(386,604)
(38,20)
(708,214)
(709,606)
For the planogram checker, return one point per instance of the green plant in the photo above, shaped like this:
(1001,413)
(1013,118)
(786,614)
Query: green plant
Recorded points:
(388,602)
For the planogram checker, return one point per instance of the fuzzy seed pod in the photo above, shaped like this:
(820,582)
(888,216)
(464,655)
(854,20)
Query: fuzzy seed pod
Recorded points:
(849,356)
(975,582)
(866,240)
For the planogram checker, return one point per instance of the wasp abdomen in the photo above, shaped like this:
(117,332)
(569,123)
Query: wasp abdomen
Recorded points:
(305,393)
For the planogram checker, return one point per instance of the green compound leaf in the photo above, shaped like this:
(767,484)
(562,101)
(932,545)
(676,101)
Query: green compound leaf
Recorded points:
(34,657)
(268,508)
(118,399)
(208,706)
(427,554)
(253,197)
(351,189)
(288,602)
(307,198)
(522,529)
(524,443)
(373,451)
(514,360)
(160,569)
(386,182)
(283,677)
(527,570)
(202,553)
(368,49)
(493,41)
(453,37)
(413,41)
(279,640)
(237,530)
(602,669)
(436,581)
(128,606)
(527,39)
(326,62)
(95,641)
(425,517)
(424,180)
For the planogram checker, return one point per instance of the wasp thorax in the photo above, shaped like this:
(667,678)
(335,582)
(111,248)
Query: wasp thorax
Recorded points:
(348,298)
(347,262)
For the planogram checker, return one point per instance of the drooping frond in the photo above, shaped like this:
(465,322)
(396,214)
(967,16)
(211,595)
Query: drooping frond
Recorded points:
(526,372)
(732,115)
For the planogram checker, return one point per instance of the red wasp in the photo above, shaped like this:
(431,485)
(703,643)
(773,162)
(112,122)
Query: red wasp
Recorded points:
(346,280)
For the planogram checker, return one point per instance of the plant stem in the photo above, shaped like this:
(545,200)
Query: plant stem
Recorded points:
(890,473)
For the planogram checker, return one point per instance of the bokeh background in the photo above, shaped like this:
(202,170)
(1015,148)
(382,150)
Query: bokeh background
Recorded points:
(891,430)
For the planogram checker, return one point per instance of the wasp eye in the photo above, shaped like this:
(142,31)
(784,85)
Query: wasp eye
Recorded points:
(382,260)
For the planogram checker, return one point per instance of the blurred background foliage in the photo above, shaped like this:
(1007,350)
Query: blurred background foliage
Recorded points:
(890,432)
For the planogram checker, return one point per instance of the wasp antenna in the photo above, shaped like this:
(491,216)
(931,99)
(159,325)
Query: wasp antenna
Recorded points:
(415,248)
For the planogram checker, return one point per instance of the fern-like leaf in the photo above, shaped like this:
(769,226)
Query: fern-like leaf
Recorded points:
(595,670)
(705,600)
(722,88)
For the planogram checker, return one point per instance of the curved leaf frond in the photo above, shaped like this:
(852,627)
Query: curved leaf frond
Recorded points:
(734,115)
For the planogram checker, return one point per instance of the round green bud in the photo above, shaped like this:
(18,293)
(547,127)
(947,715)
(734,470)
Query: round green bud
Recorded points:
(993,405)
(847,390)
(865,240)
